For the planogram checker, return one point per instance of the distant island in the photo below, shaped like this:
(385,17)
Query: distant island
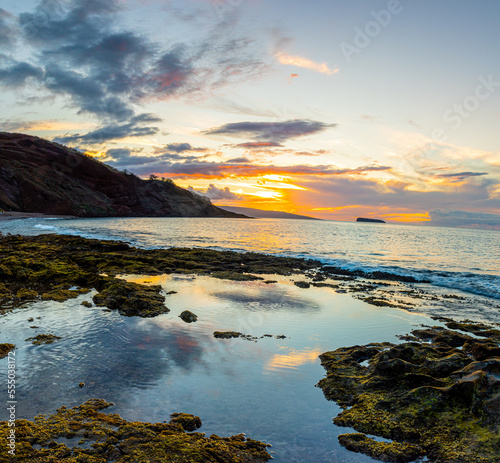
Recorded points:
(361,219)
(39,176)
(261,214)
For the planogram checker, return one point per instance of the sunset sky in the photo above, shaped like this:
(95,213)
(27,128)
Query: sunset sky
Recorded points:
(334,109)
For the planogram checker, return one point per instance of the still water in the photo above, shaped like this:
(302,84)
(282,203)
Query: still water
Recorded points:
(151,368)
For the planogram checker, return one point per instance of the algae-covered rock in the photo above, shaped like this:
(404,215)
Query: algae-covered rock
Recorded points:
(43,339)
(108,437)
(87,304)
(5,293)
(188,317)
(396,452)
(429,396)
(132,299)
(61,295)
(25,294)
(5,349)
(302,284)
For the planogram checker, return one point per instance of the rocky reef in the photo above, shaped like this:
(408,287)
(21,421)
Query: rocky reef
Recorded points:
(437,395)
(86,434)
(57,267)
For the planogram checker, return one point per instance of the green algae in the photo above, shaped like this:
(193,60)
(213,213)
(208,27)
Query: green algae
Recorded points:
(108,437)
(132,299)
(5,349)
(26,294)
(61,295)
(43,339)
(433,396)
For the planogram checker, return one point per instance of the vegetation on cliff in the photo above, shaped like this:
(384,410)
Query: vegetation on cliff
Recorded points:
(37,175)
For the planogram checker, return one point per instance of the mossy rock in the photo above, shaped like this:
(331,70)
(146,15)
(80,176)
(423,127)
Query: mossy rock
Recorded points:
(108,437)
(62,295)
(429,397)
(43,339)
(26,294)
(132,299)
(395,452)
(188,317)
(5,293)
(5,349)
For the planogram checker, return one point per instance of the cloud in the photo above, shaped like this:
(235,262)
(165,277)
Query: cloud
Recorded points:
(461,175)
(207,170)
(258,144)
(216,194)
(134,128)
(7,29)
(181,147)
(238,161)
(299,61)
(466,219)
(271,131)
(80,51)
(17,74)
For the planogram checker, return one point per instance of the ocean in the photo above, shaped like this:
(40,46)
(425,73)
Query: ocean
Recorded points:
(150,368)
(461,259)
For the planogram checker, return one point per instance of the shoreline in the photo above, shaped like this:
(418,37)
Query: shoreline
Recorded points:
(61,267)
(10,215)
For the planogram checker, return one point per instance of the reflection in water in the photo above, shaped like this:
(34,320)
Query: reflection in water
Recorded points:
(293,359)
(153,367)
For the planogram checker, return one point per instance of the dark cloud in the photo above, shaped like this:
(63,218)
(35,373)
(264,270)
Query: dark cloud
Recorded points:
(258,144)
(238,161)
(17,74)
(270,131)
(134,128)
(462,175)
(79,50)
(181,147)
(205,169)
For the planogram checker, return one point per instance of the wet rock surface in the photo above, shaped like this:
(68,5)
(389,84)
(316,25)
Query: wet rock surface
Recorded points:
(188,317)
(437,395)
(86,434)
(5,349)
(43,339)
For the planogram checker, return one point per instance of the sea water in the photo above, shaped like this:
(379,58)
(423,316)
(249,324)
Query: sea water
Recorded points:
(463,259)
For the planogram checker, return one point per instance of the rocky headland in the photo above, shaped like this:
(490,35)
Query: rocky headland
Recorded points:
(39,176)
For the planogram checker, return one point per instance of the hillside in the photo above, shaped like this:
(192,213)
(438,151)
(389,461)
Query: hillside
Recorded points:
(37,175)
(262,214)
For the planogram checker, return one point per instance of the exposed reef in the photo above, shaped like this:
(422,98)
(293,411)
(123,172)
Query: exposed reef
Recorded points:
(188,317)
(5,349)
(43,339)
(86,434)
(436,395)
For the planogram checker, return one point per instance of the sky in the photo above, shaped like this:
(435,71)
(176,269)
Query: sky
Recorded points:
(369,108)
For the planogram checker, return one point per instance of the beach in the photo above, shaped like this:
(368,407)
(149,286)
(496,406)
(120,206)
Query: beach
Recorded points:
(144,358)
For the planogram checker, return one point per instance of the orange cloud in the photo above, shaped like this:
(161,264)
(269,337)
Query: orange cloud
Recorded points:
(299,61)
